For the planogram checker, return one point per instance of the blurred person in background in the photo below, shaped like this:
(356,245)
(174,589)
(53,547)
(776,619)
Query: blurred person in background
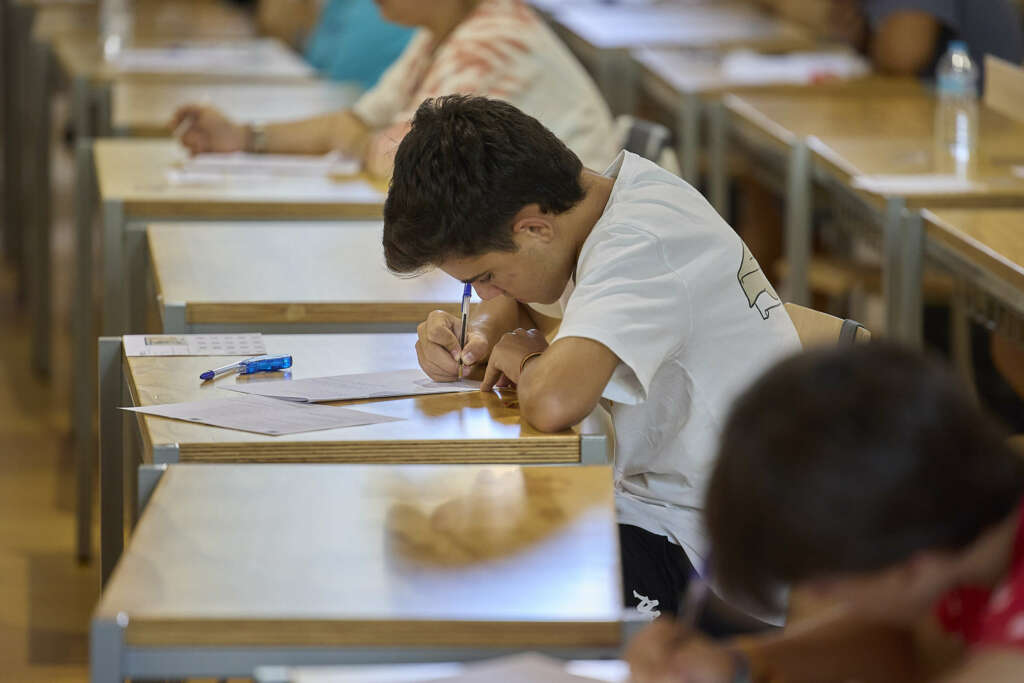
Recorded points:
(495,48)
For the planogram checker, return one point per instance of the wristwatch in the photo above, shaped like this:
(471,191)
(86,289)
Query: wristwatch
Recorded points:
(255,138)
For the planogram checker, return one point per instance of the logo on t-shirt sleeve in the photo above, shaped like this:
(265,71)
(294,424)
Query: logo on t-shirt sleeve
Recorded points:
(759,291)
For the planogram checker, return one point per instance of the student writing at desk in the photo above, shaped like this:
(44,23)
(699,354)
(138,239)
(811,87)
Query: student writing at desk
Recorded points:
(345,40)
(907,37)
(664,312)
(868,477)
(498,48)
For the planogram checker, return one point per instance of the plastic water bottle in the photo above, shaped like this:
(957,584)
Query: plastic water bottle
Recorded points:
(956,112)
(115,26)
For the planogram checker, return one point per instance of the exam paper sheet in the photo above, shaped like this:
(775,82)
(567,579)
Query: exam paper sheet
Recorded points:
(264,415)
(194,344)
(247,165)
(346,387)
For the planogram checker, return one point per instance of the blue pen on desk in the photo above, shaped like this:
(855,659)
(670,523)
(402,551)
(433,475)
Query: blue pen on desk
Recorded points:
(467,292)
(250,365)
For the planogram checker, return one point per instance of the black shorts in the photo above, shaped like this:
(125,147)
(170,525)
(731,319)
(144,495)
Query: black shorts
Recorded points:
(655,573)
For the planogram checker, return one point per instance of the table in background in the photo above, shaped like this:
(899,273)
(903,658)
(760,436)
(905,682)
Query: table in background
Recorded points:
(232,567)
(134,191)
(690,84)
(984,249)
(143,108)
(601,35)
(863,152)
(469,427)
(38,27)
(287,277)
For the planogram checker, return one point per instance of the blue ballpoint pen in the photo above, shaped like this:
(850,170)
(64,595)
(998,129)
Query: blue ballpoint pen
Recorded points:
(467,292)
(250,365)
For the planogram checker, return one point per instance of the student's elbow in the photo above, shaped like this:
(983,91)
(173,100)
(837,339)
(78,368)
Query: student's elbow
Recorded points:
(550,412)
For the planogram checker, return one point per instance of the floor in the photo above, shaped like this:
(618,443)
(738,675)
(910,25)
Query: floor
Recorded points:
(46,597)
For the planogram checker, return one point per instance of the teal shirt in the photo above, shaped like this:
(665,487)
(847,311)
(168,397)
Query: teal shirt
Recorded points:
(353,43)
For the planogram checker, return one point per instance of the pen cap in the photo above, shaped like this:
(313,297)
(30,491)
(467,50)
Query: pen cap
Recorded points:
(265,364)
(467,291)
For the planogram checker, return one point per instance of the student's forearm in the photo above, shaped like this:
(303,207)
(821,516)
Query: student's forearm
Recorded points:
(563,385)
(342,131)
(834,649)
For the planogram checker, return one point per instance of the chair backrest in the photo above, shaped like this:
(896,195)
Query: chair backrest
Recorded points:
(646,138)
(821,329)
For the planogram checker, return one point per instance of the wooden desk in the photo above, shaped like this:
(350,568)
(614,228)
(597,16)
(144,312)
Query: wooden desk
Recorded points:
(601,36)
(310,277)
(984,249)
(142,108)
(346,563)
(154,20)
(81,56)
(863,151)
(135,191)
(449,428)
(690,84)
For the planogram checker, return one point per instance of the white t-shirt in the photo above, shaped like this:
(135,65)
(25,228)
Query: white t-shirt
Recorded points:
(505,51)
(668,286)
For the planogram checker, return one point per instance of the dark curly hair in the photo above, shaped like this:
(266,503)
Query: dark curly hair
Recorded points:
(851,460)
(463,171)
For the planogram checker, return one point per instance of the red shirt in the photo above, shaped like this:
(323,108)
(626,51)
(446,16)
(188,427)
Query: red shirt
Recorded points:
(986,616)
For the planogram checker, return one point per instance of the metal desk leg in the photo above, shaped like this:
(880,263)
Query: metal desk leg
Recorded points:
(134,279)
(718,173)
(101,97)
(689,138)
(83,348)
(798,224)
(111,449)
(106,649)
(39,58)
(113,295)
(149,477)
(892,280)
(174,318)
(15,36)
(911,276)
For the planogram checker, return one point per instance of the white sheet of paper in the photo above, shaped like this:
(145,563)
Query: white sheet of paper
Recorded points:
(747,66)
(194,344)
(345,387)
(235,57)
(322,188)
(525,668)
(916,184)
(264,415)
(621,26)
(249,165)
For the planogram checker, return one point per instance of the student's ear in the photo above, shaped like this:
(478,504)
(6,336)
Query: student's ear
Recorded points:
(532,222)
